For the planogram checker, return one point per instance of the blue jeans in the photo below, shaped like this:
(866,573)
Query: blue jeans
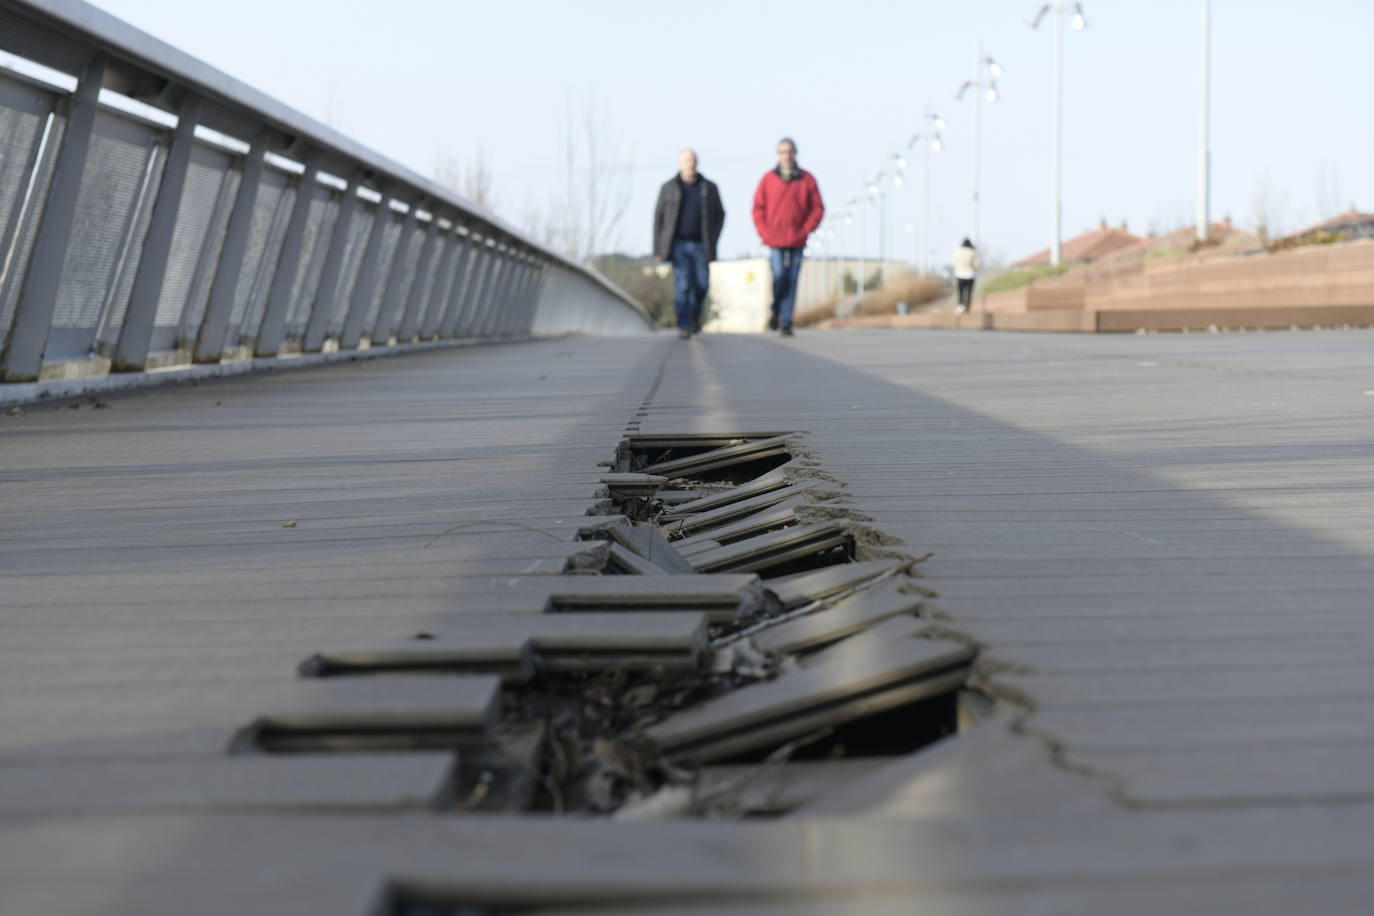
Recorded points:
(691,276)
(787,264)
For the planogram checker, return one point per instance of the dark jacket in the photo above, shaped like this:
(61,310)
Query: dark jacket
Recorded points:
(665,216)
(786,212)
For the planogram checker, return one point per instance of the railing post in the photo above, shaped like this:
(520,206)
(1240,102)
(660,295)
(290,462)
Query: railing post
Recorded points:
(366,285)
(135,334)
(323,309)
(477,321)
(472,299)
(220,308)
(462,279)
(395,273)
(22,358)
(434,308)
(272,328)
(505,317)
(415,297)
(542,281)
(511,307)
(527,296)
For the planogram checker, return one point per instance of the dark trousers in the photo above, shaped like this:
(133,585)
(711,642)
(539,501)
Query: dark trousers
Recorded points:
(787,264)
(691,277)
(965,291)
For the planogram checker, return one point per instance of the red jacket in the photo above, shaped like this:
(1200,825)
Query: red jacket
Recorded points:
(786,212)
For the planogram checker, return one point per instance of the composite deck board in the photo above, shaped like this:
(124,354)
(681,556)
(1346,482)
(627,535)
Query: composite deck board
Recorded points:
(1167,539)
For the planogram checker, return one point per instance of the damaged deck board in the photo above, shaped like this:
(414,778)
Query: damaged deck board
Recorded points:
(841,685)
(160,519)
(843,618)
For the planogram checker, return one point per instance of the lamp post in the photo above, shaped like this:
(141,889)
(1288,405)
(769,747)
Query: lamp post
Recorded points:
(1079,22)
(1204,161)
(983,87)
(929,138)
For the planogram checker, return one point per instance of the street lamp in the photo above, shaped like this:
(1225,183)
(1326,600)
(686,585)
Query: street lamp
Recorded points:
(1079,22)
(929,138)
(1204,164)
(983,87)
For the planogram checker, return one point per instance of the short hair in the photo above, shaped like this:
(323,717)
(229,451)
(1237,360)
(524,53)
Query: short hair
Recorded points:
(790,142)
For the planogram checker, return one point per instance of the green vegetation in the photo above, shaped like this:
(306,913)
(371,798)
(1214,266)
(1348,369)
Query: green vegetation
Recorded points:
(873,281)
(1020,276)
(1319,237)
(639,278)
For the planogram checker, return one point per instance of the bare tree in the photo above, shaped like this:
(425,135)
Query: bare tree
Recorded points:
(1269,209)
(1330,201)
(472,179)
(591,205)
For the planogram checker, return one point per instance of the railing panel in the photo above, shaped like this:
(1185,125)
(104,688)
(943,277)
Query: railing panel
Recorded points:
(213,182)
(195,227)
(270,213)
(358,233)
(319,229)
(390,239)
(30,134)
(120,167)
(234,267)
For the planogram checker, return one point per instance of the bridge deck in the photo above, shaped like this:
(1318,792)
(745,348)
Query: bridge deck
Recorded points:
(1164,544)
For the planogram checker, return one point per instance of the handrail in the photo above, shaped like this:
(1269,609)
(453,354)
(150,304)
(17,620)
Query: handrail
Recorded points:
(473,274)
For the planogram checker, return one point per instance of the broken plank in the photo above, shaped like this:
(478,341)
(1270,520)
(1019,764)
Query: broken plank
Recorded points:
(802,588)
(802,701)
(849,615)
(774,548)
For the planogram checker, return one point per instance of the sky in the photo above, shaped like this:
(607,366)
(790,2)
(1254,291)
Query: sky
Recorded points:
(419,80)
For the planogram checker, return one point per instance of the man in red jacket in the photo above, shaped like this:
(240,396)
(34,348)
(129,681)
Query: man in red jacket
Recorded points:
(787,209)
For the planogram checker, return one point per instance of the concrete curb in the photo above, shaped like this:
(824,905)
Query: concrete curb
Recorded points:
(23,393)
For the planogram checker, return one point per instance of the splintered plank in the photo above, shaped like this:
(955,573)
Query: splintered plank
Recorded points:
(768,550)
(779,516)
(802,588)
(769,483)
(725,511)
(625,560)
(721,596)
(649,542)
(847,616)
(825,694)
(716,459)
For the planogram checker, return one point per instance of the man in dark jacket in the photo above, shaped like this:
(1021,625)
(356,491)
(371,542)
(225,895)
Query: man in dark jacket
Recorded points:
(687,224)
(787,209)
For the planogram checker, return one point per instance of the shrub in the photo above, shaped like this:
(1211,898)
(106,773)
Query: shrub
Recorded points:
(913,289)
(815,314)
(1018,277)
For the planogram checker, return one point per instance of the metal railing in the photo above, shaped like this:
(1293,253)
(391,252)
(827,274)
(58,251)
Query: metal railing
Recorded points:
(155,211)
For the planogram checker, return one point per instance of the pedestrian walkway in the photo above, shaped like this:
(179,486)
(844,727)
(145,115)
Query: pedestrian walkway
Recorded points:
(1161,544)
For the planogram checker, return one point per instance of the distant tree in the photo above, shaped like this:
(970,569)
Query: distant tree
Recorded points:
(1269,209)
(640,278)
(1329,199)
(472,179)
(591,205)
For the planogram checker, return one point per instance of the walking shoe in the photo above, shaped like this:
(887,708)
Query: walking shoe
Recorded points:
(683,334)
(961,310)
(772,322)
(787,330)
